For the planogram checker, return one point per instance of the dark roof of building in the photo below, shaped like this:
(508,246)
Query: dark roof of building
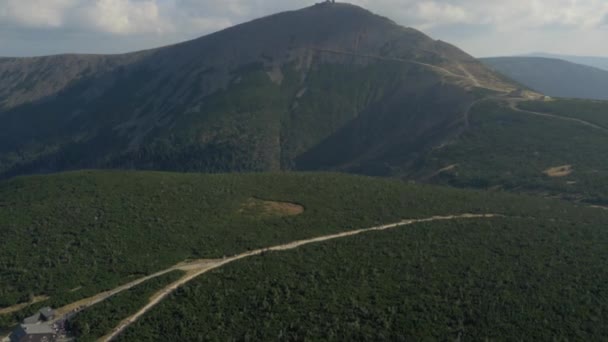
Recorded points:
(35,318)
(31,329)
(47,312)
(36,329)
(43,314)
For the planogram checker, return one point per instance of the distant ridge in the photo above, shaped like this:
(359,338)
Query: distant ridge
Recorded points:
(594,61)
(554,77)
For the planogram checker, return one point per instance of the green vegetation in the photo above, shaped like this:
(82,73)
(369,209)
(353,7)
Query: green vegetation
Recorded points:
(299,99)
(595,112)
(97,230)
(256,124)
(503,278)
(535,271)
(98,320)
(509,149)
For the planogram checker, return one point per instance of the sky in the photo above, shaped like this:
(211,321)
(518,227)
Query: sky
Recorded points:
(480,27)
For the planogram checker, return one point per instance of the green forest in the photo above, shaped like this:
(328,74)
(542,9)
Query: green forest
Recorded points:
(592,111)
(497,279)
(257,171)
(72,235)
(98,320)
(511,150)
(96,230)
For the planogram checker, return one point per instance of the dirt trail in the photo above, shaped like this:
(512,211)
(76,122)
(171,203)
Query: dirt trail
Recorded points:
(467,112)
(100,297)
(470,76)
(209,265)
(392,59)
(19,307)
(514,102)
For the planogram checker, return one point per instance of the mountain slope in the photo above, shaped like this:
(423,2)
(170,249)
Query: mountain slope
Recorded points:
(554,77)
(552,148)
(265,95)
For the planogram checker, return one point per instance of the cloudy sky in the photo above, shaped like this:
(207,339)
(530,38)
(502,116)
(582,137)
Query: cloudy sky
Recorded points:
(481,27)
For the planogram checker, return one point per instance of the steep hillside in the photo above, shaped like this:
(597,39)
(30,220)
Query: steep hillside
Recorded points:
(554,77)
(265,95)
(26,80)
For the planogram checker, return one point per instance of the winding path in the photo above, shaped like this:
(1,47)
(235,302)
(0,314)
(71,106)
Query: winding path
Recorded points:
(513,105)
(209,265)
(391,59)
(466,75)
(514,102)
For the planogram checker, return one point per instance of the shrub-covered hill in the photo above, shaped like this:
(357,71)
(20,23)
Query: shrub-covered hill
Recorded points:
(556,148)
(94,230)
(512,279)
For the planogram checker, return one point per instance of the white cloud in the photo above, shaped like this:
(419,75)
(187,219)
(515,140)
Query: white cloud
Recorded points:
(136,16)
(125,17)
(199,24)
(503,15)
(34,13)
(432,12)
(473,24)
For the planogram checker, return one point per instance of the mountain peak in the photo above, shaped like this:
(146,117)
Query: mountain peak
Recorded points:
(256,96)
(324,15)
(339,6)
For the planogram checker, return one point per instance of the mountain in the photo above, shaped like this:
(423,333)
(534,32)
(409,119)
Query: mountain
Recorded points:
(145,256)
(554,77)
(593,61)
(331,86)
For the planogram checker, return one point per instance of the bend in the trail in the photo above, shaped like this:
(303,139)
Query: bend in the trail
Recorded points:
(513,104)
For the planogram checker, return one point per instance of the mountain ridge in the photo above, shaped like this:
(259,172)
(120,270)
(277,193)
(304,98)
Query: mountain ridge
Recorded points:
(593,61)
(554,77)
